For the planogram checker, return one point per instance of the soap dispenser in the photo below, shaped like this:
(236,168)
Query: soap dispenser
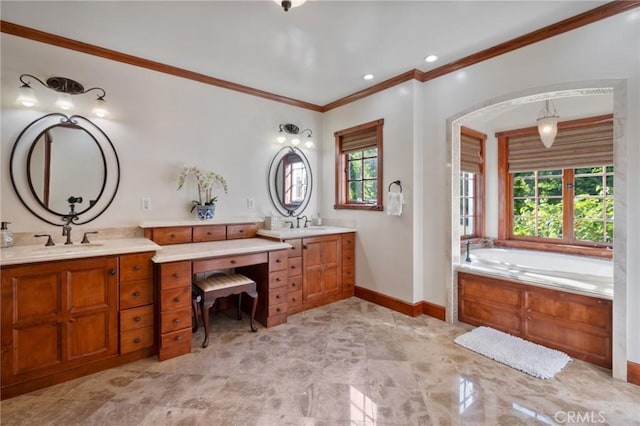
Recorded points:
(6,236)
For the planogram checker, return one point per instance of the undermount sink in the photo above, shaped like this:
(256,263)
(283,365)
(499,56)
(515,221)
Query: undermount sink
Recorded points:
(70,248)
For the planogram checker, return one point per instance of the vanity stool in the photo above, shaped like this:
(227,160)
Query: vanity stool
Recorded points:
(211,288)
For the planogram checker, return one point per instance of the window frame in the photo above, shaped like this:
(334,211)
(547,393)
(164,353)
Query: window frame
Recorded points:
(567,244)
(479,187)
(341,171)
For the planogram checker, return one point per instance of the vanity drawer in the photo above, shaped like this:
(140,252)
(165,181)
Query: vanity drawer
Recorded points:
(278,295)
(247,230)
(172,235)
(135,267)
(277,260)
(175,320)
(175,274)
(349,241)
(348,257)
(348,274)
(295,283)
(296,247)
(136,293)
(175,298)
(131,319)
(229,262)
(209,233)
(295,266)
(295,299)
(181,339)
(279,309)
(278,279)
(136,339)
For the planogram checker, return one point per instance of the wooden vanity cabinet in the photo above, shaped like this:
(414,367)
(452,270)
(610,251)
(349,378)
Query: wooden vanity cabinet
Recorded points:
(136,302)
(348,263)
(56,317)
(294,276)
(200,233)
(322,268)
(174,309)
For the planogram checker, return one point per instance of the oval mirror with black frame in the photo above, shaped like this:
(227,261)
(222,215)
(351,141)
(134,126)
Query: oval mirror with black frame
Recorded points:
(64,166)
(290,181)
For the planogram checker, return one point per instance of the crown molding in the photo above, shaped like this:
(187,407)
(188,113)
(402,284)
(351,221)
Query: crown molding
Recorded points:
(602,12)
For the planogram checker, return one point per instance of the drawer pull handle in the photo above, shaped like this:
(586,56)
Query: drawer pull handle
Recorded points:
(528,318)
(178,338)
(172,235)
(241,231)
(278,279)
(137,267)
(305,246)
(176,275)
(233,262)
(137,319)
(277,296)
(294,285)
(277,309)
(137,340)
(176,300)
(136,294)
(293,266)
(294,299)
(278,261)
(112,271)
(176,321)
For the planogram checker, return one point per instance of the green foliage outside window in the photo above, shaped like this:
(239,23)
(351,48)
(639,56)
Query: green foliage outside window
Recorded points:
(363,175)
(538,209)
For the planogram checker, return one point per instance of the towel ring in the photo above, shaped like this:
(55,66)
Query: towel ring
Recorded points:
(395,182)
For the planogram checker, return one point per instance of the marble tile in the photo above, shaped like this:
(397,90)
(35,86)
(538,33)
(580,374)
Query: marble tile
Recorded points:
(348,363)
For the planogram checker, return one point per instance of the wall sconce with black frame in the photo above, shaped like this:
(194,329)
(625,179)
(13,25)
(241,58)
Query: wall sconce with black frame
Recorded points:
(295,132)
(65,87)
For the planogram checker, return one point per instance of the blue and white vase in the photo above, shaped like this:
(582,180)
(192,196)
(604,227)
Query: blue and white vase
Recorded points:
(206,212)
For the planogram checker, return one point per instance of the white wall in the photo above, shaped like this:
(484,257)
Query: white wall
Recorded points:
(157,123)
(384,257)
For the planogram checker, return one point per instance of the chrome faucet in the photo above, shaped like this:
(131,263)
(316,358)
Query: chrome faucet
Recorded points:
(306,221)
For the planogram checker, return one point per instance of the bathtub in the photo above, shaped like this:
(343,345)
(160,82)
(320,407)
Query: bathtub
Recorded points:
(576,274)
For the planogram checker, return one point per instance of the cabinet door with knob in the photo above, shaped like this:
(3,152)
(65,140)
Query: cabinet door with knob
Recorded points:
(57,316)
(321,266)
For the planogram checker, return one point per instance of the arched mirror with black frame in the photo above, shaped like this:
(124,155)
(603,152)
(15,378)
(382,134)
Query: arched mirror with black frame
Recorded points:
(62,166)
(290,181)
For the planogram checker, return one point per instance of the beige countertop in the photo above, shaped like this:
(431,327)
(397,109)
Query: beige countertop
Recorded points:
(178,252)
(39,253)
(311,231)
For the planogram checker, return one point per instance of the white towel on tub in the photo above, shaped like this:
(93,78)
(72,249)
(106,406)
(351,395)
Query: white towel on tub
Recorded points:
(395,200)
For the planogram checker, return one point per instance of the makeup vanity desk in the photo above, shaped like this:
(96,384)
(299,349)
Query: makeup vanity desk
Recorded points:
(264,261)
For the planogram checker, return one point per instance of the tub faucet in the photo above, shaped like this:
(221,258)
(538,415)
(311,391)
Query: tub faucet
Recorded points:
(467,257)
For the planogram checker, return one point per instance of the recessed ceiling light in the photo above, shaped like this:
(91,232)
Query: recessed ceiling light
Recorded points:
(431,58)
(368,76)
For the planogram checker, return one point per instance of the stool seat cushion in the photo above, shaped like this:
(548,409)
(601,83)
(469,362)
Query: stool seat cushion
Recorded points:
(220,282)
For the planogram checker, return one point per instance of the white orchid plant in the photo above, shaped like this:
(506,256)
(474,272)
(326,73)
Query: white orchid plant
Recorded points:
(207,182)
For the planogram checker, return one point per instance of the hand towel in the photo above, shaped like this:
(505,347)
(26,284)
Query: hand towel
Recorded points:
(395,200)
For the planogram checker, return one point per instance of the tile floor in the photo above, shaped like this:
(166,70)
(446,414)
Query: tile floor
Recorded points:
(349,363)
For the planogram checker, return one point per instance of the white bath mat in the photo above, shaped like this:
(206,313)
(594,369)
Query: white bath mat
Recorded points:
(515,352)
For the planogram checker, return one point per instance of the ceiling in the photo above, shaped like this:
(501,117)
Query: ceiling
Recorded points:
(316,53)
